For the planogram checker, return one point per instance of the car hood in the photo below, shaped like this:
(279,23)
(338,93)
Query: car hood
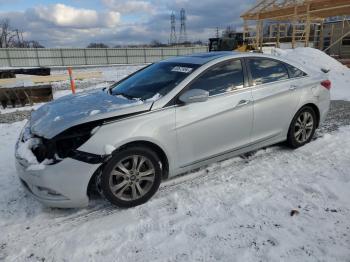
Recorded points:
(55,117)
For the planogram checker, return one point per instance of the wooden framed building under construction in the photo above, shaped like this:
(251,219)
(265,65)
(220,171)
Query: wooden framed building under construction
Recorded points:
(336,39)
(296,22)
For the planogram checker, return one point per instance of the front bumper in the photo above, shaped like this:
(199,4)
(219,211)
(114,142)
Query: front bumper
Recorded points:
(62,185)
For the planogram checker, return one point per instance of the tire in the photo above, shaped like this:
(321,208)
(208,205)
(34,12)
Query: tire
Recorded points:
(126,182)
(302,127)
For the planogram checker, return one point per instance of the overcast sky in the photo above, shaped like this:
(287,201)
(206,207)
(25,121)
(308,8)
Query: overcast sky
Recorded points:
(76,23)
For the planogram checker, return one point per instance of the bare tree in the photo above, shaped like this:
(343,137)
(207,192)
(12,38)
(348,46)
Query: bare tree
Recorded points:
(156,43)
(28,44)
(7,35)
(10,37)
(36,44)
(97,45)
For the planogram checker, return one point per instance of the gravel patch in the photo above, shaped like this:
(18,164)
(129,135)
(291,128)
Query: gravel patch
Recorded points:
(14,116)
(338,115)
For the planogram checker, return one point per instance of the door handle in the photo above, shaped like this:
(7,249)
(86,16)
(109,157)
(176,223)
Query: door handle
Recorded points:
(243,102)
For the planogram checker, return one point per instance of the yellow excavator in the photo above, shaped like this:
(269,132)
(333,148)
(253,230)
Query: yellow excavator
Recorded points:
(233,42)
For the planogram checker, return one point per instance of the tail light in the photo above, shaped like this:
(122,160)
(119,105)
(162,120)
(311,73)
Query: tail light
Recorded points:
(327,84)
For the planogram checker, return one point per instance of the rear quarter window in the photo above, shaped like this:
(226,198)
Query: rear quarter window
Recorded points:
(295,72)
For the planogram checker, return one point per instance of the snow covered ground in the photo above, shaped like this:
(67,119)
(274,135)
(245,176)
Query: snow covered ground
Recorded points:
(236,210)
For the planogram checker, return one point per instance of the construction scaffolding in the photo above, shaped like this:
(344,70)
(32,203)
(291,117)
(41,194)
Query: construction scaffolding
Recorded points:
(296,22)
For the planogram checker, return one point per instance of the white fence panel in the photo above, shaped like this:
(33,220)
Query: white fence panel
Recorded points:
(30,57)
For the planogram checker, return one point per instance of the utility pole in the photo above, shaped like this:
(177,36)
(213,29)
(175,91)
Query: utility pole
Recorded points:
(183,34)
(172,29)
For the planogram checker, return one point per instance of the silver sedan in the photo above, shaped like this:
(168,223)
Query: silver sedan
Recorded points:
(166,119)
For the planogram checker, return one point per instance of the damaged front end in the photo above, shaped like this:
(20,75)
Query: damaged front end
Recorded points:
(36,150)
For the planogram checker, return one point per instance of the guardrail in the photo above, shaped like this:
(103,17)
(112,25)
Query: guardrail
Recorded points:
(33,57)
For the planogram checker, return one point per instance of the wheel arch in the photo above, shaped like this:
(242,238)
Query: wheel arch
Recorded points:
(316,110)
(290,140)
(140,143)
(156,148)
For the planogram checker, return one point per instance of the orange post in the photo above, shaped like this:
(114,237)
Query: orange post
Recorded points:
(72,83)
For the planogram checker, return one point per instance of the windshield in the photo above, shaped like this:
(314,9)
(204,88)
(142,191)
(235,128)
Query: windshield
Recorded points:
(154,81)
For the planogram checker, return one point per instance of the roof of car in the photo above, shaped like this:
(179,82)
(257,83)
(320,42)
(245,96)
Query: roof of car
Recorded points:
(203,58)
(200,58)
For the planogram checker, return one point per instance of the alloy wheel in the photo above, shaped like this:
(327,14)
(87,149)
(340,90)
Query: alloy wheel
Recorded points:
(132,177)
(303,127)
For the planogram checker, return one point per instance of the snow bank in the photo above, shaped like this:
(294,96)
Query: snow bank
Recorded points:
(316,59)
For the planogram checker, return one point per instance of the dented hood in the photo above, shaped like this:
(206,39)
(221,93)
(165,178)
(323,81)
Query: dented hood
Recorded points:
(55,117)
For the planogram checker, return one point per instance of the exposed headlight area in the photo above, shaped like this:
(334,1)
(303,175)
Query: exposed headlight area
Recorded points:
(64,144)
(61,146)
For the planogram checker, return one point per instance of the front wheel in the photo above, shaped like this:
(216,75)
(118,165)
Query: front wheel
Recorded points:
(302,128)
(131,177)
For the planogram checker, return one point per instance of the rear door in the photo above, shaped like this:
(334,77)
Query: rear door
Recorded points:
(275,97)
(222,123)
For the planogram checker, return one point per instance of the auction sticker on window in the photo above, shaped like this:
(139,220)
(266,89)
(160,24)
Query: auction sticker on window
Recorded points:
(182,69)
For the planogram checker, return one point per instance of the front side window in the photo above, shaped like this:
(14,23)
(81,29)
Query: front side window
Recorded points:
(155,80)
(264,70)
(225,77)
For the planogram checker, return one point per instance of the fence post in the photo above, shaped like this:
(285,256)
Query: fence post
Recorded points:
(37,56)
(107,56)
(85,58)
(126,55)
(162,53)
(8,57)
(144,55)
(61,53)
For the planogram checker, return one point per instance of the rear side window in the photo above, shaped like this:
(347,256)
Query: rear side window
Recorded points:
(266,70)
(295,72)
(221,78)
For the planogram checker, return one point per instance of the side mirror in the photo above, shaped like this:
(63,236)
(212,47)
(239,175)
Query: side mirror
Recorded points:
(194,96)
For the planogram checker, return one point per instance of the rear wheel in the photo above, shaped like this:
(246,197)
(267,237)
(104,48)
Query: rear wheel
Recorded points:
(131,177)
(302,128)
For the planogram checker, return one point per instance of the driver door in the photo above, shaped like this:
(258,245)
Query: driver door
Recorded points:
(221,124)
